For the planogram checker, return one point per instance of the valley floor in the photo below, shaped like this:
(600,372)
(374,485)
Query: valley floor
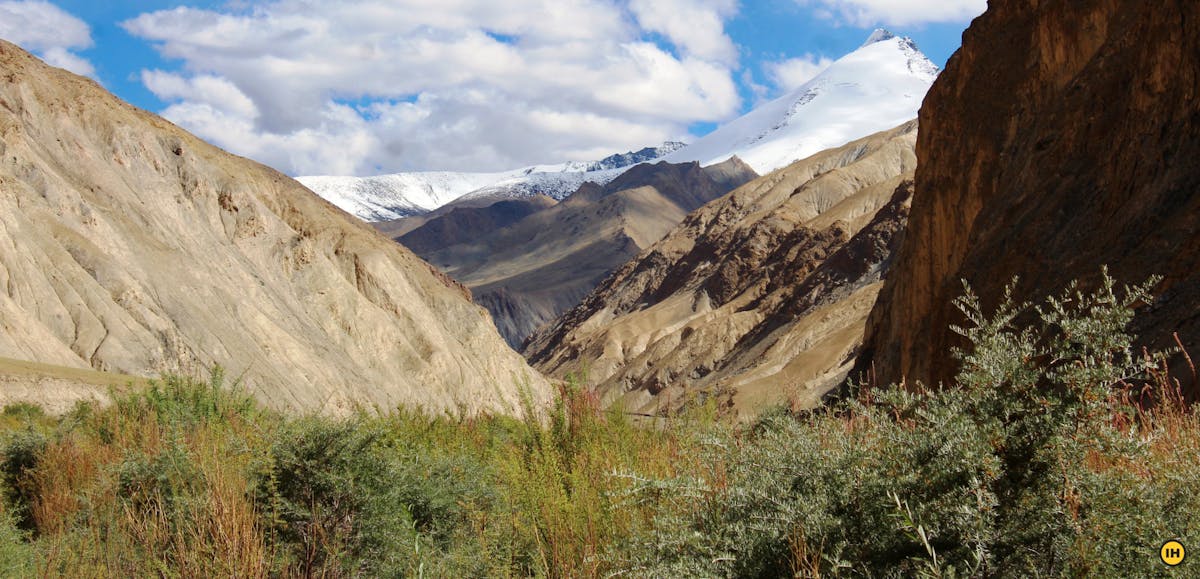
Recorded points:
(1081,466)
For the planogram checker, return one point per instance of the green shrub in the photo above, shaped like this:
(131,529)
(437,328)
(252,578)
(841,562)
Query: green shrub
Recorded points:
(17,557)
(1022,468)
(22,451)
(182,402)
(24,411)
(1042,459)
(332,499)
(166,483)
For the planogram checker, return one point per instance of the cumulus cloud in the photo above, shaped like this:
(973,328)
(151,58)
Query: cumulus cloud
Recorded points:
(336,141)
(49,32)
(898,12)
(365,86)
(200,89)
(695,26)
(792,73)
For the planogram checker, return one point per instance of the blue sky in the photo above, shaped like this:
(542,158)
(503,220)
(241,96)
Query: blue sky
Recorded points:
(374,86)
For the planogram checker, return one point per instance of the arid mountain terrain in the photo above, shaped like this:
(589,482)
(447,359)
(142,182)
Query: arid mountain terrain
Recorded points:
(127,245)
(1063,136)
(758,298)
(726,382)
(465,221)
(528,272)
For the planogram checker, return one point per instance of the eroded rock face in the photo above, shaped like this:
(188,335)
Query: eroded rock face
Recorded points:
(128,245)
(1064,135)
(757,298)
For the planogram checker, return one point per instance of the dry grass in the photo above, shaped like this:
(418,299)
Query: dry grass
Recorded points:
(172,484)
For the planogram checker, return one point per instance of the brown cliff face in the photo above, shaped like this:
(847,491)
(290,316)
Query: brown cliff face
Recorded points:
(1064,135)
(128,245)
(757,298)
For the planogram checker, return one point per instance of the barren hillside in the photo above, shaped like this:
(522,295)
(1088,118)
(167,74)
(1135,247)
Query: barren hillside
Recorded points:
(128,245)
(757,298)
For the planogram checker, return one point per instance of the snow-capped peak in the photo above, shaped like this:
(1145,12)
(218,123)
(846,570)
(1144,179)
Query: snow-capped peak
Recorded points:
(877,87)
(388,197)
(880,35)
(872,89)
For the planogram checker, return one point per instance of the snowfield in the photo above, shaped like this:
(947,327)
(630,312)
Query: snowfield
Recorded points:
(872,89)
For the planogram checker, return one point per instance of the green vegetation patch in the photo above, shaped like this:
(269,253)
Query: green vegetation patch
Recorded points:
(1058,451)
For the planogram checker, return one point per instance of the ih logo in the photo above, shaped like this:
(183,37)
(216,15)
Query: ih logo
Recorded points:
(1172,553)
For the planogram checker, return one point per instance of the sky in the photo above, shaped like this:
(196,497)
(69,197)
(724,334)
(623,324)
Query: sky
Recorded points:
(364,87)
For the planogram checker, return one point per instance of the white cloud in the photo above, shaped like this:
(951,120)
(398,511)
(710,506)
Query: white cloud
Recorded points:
(64,58)
(49,32)
(364,86)
(695,26)
(213,91)
(898,12)
(791,74)
(338,139)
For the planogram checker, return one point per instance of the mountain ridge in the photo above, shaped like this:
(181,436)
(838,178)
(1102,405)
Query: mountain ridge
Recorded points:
(395,196)
(757,298)
(876,87)
(129,245)
(1078,153)
(529,271)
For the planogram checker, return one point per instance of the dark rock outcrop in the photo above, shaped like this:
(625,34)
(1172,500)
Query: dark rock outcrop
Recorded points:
(1064,135)
(622,160)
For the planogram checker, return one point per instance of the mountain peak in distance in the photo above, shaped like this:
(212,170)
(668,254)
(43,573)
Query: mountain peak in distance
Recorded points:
(399,195)
(880,35)
(878,86)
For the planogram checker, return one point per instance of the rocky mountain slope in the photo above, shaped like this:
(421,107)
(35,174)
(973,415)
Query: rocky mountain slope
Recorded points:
(128,245)
(644,155)
(757,298)
(530,271)
(872,89)
(465,221)
(391,197)
(1064,135)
